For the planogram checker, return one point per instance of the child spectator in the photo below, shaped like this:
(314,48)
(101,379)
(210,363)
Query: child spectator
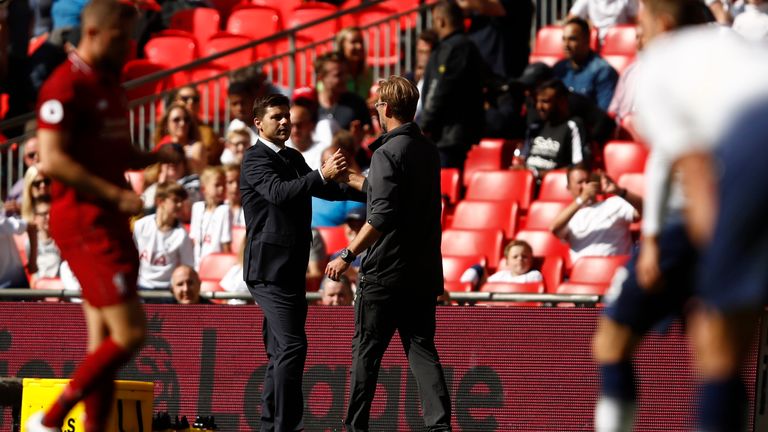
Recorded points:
(516,268)
(210,227)
(238,141)
(162,242)
(232,177)
(179,126)
(48,255)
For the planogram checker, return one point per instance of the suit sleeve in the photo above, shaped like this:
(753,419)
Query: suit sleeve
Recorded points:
(384,191)
(259,172)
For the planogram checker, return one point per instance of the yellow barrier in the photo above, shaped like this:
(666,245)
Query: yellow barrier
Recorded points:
(131,412)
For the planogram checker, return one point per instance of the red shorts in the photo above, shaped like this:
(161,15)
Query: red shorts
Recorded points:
(106,265)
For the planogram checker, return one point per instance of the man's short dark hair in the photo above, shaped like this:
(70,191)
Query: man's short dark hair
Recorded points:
(263,103)
(582,23)
(555,84)
(452,12)
(429,36)
(576,167)
(310,106)
(241,88)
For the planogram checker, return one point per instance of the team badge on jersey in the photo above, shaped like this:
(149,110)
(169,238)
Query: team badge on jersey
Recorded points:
(52,111)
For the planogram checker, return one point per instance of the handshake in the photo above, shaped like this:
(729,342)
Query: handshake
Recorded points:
(336,168)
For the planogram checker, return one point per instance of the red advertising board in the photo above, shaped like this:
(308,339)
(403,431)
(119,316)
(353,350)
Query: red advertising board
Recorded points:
(509,368)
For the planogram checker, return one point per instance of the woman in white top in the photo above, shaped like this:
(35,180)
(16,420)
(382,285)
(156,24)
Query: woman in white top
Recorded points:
(162,242)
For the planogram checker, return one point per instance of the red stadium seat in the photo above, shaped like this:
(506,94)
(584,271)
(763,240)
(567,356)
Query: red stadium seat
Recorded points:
(554,186)
(582,288)
(449,184)
(501,215)
(621,40)
(285,7)
(225,6)
(141,67)
(223,41)
(549,41)
(334,238)
(624,157)
(201,22)
(457,286)
(381,39)
(596,272)
(314,11)
(552,269)
(255,21)
(238,239)
(510,185)
(213,93)
(483,159)
(455,266)
(633,182)
(172,49)
(213,267)
(512,288)
(487,243)
(545,244)
(541,214)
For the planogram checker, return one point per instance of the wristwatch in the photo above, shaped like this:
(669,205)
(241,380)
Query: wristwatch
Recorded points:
(347,256)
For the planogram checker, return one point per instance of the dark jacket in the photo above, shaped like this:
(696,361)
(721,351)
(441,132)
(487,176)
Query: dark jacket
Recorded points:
(403,188)
(276,198)
(453,112)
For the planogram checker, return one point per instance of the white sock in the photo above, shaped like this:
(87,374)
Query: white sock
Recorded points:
(614,415)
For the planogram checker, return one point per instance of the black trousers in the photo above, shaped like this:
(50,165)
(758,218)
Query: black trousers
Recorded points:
(376,319)
(285,340)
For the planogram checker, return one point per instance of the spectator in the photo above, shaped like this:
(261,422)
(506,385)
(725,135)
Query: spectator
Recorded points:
(592,227)
(241,97)
(424,46)
(179,126)
(335,101)
(185,285)
(31,157)
(336,293)
(501,29)
(232,178)
(753,22)
(210,226)
(162,242)
(237,142)
(36,186)
(583,71)
(516,267)
(303,122)
(455,74)
(189,96)
(332,213)
(351,48)
(559,140)
(48,256)
(605,14)
(623,102)
(172,171)
(11,269)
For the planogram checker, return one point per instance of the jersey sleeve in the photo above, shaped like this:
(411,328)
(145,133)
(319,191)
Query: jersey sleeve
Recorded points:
(56,104)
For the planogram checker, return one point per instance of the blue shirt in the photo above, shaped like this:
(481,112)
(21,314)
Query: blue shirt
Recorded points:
(596,79)
(331,213)
(66,13)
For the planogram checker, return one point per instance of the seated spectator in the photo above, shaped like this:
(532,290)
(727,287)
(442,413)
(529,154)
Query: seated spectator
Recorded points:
(559,140)
(753,22)
(31,157)
(623,102)
(185,286)
(162,243)
(241,98)
(594,227)
(237,142)
(605,14)
(303,123)
(48,255)
(232,177)
(333,213)
(189,96)
(351,48)
(583,71)
(11,269)
(516,267)
(336,293)
(179,126)
(348,109)
(172,172)
(599,125)
(210,227)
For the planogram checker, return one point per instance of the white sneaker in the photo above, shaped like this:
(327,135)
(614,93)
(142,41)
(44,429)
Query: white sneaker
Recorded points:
(35,424)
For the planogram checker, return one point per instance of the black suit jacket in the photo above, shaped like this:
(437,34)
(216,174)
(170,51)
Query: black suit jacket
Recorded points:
(276,195)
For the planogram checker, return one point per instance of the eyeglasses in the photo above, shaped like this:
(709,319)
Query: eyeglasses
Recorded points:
(190,98)
(378,104)
(38,183)
(180,119)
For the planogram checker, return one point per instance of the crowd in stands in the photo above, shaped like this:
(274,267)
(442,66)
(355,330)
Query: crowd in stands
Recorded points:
(555,118)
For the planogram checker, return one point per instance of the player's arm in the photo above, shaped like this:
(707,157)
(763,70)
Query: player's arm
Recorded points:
(699,184)
(56,163)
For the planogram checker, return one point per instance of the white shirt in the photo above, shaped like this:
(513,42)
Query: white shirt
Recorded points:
(209,229)
(753,22)
(694,83)
(600,229)
(48,257)
(507,276)
(605,14)
(160,252)
(233,280)
(10,261)
(239,124)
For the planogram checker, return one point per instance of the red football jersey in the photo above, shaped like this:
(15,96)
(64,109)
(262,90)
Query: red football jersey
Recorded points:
(91,108)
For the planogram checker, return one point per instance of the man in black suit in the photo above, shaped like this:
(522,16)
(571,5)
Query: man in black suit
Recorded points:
(276,186)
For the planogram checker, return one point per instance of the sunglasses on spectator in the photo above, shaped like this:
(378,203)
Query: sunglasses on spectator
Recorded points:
(180,119)
(38,183)
(190,98)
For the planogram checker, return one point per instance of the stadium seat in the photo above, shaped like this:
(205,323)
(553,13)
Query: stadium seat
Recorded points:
(552,269)
(545,244)
(455,266)
(172,49)
(141,67)
(621,40)
(136,180)
(457,286)
(213,267)
(334,238)
(224,41)
(549,42)
(593,271)
(501,215)
(381,37)
(449,184)
(541,214)
(487,243)
(512,288)
(238,238)
(633,182)
(213,92)
(201,22)
(509,185)
(285,7)
(554,186)
(314,11)
(225,7)
(624,157)
(255,21)
(582,288)
(483,159)
(507,147)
